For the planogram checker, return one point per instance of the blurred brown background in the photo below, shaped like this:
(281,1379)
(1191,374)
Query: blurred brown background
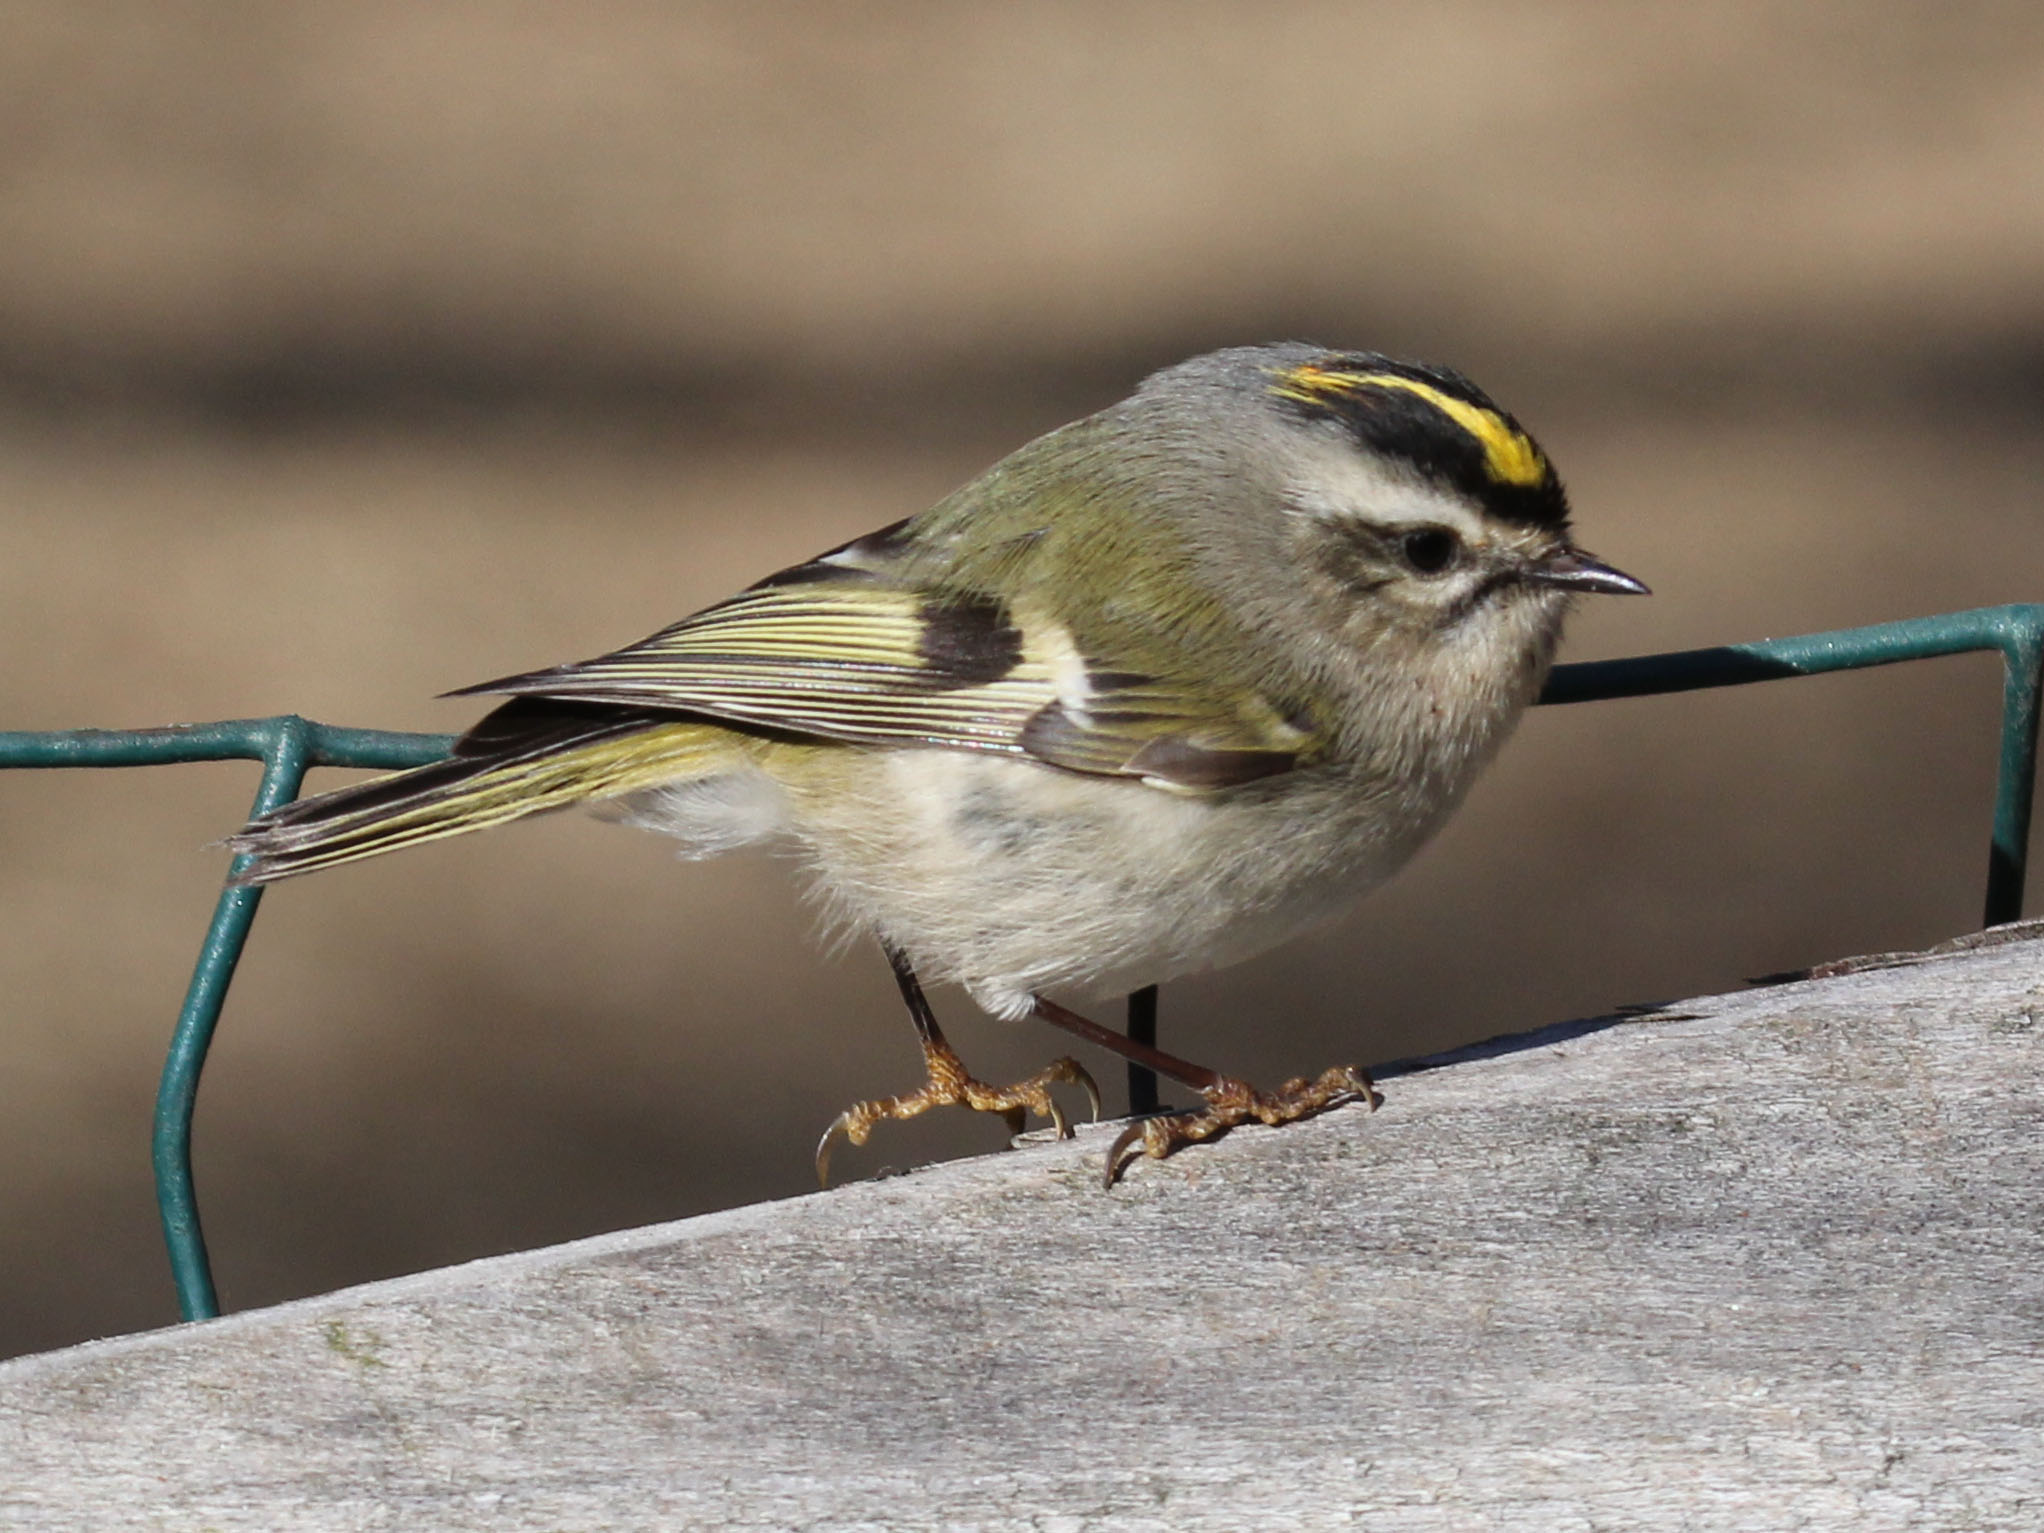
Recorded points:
(352,353)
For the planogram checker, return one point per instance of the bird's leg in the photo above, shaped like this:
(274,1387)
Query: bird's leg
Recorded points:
(1230,1102)
(949,1083)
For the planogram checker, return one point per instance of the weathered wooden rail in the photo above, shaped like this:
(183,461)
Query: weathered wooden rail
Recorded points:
(1767,1260)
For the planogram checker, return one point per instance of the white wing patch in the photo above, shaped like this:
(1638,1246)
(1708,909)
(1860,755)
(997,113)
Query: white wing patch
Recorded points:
(1052,645)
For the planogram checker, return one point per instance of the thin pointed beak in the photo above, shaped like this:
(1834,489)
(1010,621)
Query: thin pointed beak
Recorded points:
(1574,570)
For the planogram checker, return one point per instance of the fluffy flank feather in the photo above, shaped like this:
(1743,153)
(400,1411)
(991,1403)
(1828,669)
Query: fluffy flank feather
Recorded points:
(527,758)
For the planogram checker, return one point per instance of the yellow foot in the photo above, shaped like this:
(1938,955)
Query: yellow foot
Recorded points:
(950,1086)
(1232,1102)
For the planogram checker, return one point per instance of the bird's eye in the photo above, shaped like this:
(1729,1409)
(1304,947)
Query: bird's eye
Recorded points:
(1429,550)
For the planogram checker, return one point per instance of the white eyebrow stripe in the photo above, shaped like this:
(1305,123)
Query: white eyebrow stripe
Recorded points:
(1436,512)
(1335,483)
(1398,511)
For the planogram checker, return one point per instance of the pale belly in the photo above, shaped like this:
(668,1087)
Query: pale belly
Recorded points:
(1013,878)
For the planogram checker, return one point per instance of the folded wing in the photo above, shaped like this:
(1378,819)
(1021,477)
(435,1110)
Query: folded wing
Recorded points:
(834,650)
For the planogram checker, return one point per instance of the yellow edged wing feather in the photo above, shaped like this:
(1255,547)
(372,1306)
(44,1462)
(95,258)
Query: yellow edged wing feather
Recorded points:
(832,653)
(846,649)
(528,757)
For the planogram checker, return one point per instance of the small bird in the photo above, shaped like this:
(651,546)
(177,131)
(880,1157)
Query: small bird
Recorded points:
(1159,690)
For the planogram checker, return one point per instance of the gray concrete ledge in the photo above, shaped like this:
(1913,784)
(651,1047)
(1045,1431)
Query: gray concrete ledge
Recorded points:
(1763,1261)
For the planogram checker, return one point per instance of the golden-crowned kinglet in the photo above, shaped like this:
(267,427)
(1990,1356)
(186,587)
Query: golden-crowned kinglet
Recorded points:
(1156,692)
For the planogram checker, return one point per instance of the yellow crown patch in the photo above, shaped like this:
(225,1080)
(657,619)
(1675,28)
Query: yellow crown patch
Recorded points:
(1509,456)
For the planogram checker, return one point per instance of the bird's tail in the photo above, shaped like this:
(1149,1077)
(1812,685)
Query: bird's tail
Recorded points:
(529,756)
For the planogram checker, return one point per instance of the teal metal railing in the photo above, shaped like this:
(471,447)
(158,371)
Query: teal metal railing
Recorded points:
(289,747)
(2016,631)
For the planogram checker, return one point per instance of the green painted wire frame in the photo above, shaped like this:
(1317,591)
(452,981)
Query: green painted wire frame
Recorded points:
(290,746)
(2017,631)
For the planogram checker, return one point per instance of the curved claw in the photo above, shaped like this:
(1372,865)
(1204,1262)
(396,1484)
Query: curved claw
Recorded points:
(1081,1078)
(1122,1141)
(1072,1073)
(843,1124)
